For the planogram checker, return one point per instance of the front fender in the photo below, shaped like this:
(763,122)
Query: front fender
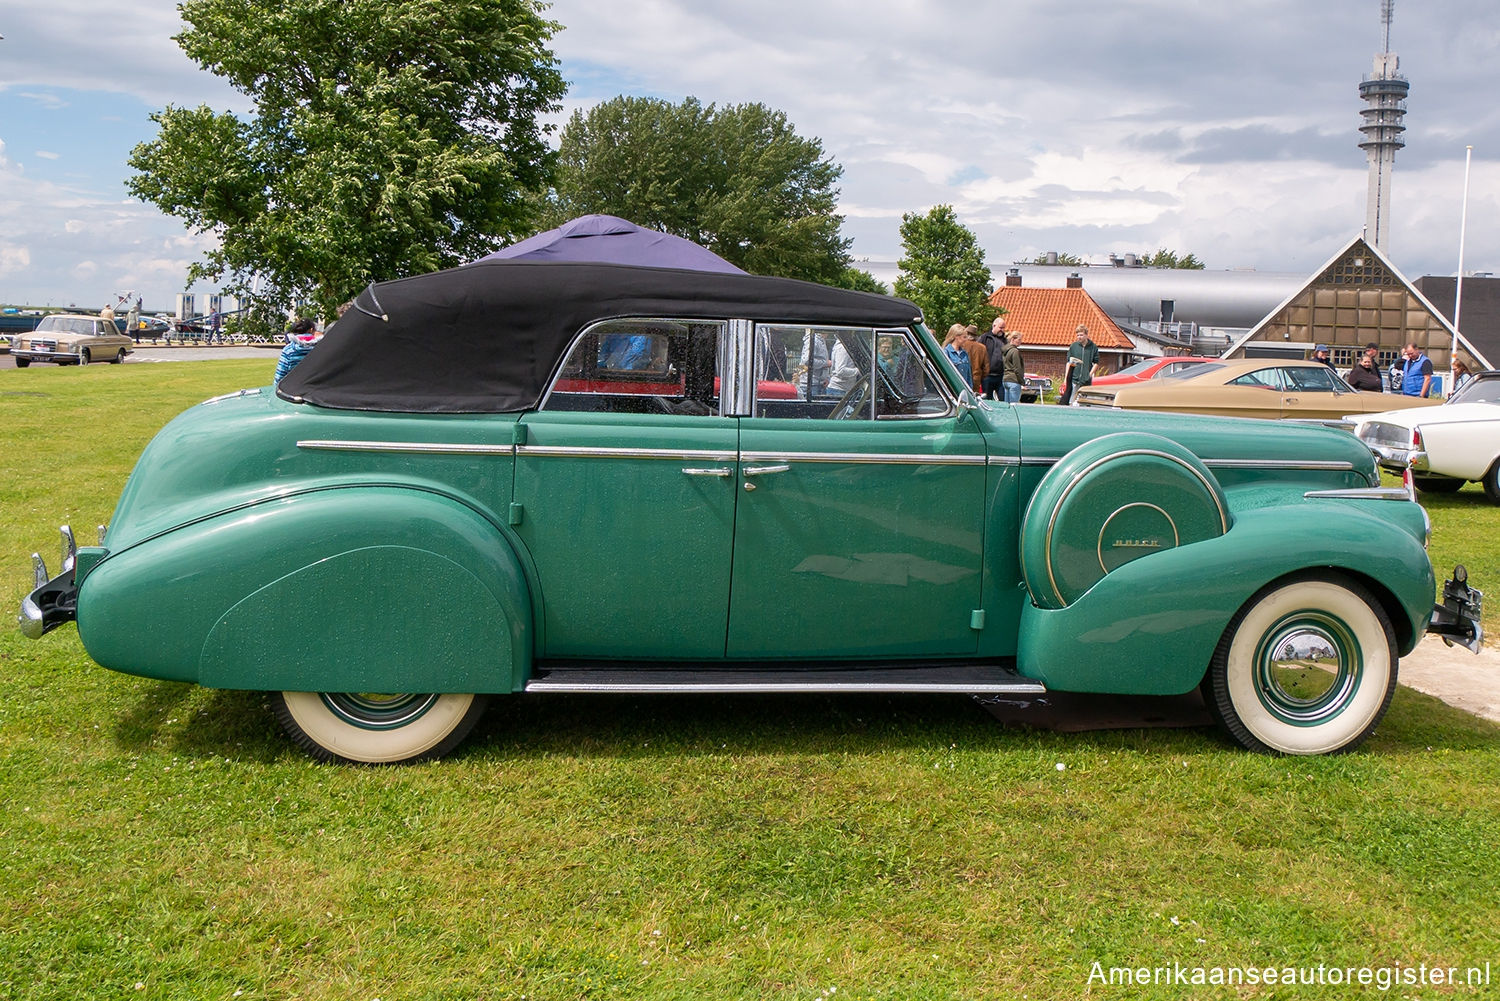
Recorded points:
(354,589)
(1151,626)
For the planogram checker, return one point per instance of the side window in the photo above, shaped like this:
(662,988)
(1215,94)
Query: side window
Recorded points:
(1265,378)
(842,373)
(642,366)
(1312,380)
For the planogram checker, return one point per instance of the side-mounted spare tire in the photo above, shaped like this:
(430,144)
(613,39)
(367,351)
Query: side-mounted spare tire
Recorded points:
(1110,501)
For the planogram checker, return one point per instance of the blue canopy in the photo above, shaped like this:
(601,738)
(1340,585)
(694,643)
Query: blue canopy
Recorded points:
(607,239)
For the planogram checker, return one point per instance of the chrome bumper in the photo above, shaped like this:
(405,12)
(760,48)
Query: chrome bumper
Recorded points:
(1400,459)
(53,601)
(1456,618)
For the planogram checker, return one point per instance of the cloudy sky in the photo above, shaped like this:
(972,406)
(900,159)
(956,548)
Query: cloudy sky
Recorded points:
(1224,129)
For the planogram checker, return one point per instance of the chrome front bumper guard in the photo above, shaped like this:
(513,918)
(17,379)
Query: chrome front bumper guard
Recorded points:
(55,600)
(1456,618)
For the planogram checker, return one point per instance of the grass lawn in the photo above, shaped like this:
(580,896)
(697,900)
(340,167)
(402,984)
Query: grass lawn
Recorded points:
(164,841)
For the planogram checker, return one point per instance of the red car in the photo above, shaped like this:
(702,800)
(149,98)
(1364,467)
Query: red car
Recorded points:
(1151,368)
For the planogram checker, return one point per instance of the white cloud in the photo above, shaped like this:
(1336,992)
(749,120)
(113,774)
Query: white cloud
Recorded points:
(47,155)
(1227,130)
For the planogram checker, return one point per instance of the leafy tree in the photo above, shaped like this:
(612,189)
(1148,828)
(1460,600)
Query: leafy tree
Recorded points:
(1165,258)
(737,180)
(862,281)
(388,138)
(943,270)
(1071,260)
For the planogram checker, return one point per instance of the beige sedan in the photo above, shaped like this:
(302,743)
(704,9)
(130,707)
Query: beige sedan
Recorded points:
(1258,387)
(71,339)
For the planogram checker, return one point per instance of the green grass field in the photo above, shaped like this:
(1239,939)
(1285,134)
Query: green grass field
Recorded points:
(164,841)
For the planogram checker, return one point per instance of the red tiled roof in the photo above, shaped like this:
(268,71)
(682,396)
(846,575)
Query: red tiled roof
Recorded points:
(1047,317)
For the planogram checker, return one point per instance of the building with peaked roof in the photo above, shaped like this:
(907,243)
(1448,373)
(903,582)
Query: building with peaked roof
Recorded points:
(1357,298)
(1047,319)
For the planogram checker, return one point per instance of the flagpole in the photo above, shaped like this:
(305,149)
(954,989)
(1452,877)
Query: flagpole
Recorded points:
(1458,288)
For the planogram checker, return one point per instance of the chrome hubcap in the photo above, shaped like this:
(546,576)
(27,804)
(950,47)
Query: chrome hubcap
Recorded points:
(1307,667)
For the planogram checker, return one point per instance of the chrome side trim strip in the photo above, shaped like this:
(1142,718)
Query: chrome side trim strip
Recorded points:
(1023,460)
(962,688)
(866,458)
(419,447)
(1335,465)
(1364,493)
(592,452)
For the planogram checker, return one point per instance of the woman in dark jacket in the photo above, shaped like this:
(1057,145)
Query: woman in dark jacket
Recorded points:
(1364,376)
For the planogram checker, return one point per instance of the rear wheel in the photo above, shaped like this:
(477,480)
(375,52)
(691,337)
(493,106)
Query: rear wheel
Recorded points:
(378,728)
(1491,481)
(1306,667)
(119,358)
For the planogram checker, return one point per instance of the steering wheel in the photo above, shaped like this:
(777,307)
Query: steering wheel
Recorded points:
(853,402)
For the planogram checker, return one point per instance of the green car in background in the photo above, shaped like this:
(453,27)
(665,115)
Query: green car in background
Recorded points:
(520,477)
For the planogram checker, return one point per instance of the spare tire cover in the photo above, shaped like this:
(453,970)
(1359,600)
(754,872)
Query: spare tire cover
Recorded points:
(1110,501)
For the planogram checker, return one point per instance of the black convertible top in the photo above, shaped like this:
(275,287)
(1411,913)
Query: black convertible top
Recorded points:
(484,338)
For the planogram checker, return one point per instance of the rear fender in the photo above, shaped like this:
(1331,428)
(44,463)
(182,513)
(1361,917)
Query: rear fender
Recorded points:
(360,589)
(1151,626)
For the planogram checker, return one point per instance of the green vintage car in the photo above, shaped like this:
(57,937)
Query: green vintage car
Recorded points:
(519,477)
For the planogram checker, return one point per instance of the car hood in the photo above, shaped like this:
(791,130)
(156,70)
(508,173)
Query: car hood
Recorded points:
(1462,413)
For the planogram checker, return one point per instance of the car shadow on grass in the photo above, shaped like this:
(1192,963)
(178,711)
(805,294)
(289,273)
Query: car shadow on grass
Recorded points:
(185,720)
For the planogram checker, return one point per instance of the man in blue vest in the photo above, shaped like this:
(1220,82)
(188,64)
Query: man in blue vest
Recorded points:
(1416,374)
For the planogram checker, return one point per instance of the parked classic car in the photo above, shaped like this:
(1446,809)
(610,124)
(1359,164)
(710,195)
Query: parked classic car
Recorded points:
(1151,368)
(1442,447)
(465,491)
(1256,387)
(71,339)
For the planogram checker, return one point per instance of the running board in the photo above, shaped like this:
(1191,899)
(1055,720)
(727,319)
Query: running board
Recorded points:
(906,676)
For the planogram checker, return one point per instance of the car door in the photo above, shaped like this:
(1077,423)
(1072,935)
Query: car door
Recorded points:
(860,516)
(1316,393)
(625,494)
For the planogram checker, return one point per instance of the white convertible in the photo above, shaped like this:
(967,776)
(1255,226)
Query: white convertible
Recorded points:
(1443,447)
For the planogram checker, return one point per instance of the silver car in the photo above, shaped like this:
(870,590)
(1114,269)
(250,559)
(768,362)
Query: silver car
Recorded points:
(71,339)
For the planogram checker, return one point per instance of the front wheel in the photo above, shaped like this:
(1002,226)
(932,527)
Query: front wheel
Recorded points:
(1306,667)
(377,728)
(22,362)
(83,356)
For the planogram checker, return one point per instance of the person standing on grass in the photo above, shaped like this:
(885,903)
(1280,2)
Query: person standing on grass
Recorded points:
(993,341)
(1083,355)
(1416,374)
(1012,368)
(1365,375)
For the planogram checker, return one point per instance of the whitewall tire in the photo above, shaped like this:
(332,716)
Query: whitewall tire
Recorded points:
(377,729)
(1308,666)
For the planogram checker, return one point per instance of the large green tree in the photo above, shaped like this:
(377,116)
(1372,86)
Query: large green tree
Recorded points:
(738,180)
(388,137)
(943,270)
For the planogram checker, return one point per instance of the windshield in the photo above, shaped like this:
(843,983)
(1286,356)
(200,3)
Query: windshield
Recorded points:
(1480,389)
(1191,371)
(65,325)
(1139,367)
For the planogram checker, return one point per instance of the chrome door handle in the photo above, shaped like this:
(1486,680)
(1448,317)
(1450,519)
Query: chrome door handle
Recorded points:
(709,472)
(761,470)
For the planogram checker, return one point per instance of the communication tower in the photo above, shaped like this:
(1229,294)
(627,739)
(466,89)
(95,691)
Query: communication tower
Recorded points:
(1384,93)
